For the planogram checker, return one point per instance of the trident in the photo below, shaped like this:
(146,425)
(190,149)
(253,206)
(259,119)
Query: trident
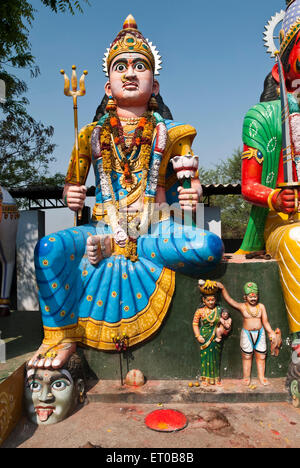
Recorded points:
(75,93)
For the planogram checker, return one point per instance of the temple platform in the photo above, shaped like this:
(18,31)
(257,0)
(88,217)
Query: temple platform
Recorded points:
(184,392)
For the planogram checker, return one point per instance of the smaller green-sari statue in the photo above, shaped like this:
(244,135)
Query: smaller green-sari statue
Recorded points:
(210,324)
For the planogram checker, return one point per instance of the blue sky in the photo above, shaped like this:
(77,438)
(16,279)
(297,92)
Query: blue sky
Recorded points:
(214,64)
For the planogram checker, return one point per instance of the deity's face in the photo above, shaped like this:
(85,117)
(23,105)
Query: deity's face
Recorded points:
(252,298)
(131,81)
(50,395)
(210,301)
(292,67)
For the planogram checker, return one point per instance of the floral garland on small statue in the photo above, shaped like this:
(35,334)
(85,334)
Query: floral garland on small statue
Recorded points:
(143,137)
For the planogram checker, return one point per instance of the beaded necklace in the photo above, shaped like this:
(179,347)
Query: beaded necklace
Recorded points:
(253,314)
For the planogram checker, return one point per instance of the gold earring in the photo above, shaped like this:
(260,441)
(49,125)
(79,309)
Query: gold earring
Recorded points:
(81,397)
(153,104)
(111,104)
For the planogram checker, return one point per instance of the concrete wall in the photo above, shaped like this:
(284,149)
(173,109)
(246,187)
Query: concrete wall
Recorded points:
(31,229)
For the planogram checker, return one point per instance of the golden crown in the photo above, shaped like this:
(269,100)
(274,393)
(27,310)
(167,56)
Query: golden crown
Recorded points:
(130,39)
(208,287)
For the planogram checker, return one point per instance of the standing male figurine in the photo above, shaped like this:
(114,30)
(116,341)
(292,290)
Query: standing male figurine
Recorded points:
(116,275)
(253,336)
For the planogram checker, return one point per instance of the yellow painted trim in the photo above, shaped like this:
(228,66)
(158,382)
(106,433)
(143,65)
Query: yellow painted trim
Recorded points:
(97,334)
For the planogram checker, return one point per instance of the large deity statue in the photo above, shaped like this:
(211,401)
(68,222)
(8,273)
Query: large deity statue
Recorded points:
(270,167)
(116,275)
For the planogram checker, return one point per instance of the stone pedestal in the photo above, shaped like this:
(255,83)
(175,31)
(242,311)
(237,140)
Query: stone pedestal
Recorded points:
(31,229)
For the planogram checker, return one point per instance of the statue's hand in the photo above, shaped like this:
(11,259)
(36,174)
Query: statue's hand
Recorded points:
(284,201)
(272,337)
(120,237)
(201,339)
(74,196)
(188,198)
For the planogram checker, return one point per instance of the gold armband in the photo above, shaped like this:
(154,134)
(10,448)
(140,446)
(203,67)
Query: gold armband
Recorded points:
(253,153)
(270,205)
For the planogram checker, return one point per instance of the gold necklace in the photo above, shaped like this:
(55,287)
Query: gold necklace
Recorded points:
(211,321)
(253,314)
(130,120)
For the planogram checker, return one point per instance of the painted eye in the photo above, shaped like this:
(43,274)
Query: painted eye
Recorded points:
(121,67)
(140,66)
(35,386)
(59,385)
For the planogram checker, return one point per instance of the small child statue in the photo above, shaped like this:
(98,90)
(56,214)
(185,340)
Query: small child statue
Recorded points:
(253,335)
(224,326)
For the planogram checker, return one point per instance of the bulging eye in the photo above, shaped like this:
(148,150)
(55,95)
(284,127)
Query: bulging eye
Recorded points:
(59,385)
(140,66)
(121,67)
(35,386)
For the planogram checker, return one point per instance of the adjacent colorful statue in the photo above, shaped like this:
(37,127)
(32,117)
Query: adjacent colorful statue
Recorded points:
(271,161)
(253,336)
(9,216)
(52,395)
(117,274)
(211,324)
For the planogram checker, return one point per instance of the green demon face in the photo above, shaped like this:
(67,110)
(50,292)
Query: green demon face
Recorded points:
(51,395)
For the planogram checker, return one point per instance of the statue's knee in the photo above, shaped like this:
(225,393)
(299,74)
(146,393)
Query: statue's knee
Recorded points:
(216,245)
(260,356)
(290,239)
(247,357)
(45,247)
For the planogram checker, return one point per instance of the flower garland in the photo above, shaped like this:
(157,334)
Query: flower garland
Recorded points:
(143,137)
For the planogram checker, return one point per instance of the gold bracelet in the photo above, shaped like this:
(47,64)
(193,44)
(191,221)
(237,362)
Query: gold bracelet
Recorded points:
(270,205)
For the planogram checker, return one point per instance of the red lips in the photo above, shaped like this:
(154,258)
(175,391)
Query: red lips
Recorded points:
(44,412)
(130,84)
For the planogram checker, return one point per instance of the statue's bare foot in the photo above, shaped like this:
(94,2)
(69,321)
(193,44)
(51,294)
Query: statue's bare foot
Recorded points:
(97,248)
(52,357)
(246,382)
(264,382)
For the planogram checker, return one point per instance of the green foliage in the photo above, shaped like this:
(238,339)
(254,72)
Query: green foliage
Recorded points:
(25,151)
(64,5)
(25,145)
(234,210)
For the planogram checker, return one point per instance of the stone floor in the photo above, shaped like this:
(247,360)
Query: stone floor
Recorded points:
(231,416)
(115,426)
